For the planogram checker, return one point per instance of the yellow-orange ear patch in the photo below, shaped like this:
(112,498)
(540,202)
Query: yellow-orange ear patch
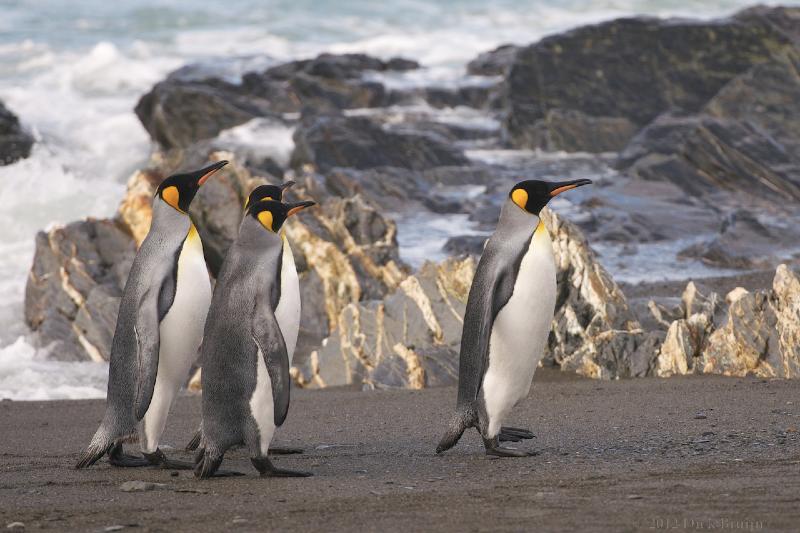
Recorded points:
(171,196)
(520,197)
(265,217)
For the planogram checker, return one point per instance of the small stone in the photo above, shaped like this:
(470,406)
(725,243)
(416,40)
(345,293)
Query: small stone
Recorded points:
(140,486)
(634,496)
(174,473)
(238,520)
(700,416)
(114,528)
(15,525)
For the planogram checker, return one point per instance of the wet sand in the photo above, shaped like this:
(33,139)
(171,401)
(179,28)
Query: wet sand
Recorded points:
(683,453)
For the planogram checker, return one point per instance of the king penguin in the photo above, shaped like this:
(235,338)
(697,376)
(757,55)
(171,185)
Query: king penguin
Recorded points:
(288,311)
(245,374)
(507,320)
(159,328)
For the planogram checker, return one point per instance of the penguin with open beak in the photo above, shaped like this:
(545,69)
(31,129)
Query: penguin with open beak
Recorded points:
(507,320)
(159,328)
(245,374)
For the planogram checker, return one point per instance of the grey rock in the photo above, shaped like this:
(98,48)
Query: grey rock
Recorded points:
(15,142)
(74,286)
(465,244)
(141,486)
(182,110)
(330,141)
(638,68)
(493,63)
(703,154)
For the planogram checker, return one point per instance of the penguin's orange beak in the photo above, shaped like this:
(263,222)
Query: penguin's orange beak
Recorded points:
(209,171)
(562,186)
(296,208)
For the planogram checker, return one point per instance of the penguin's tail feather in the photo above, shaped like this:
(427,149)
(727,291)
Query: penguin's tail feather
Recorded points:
(195,442)
(465,417)
(206,463)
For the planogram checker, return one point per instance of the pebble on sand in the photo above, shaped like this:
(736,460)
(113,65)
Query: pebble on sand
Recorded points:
(140,486)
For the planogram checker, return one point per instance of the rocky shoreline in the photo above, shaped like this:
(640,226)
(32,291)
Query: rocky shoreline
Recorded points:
(689,129)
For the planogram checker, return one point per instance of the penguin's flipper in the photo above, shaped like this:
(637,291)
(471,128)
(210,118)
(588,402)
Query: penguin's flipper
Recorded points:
(148,342)
(491,289)
(269,339)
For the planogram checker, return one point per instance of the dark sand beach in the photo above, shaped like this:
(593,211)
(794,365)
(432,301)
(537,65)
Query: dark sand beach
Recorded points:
(684,453)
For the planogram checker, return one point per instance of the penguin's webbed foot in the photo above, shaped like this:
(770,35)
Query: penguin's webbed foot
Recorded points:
(157,458)
(267,469)
(117,457)
(493,448)
(282,450)
(511,434)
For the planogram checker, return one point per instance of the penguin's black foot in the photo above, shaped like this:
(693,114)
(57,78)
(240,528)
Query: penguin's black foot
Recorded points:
(267,469)
(117,457)
(493,448)
(281,450)
(509,434)
(157,458)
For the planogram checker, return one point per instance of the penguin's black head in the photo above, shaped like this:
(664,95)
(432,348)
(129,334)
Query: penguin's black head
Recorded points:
(533,195)
(272,214)
(178,190)
(267,192)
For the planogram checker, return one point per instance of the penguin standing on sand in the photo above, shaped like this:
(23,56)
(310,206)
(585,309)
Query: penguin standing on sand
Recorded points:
(288,310)
(159,328)
(245,362)
(507,321)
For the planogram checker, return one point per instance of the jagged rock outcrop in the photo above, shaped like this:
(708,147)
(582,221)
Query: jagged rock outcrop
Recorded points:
(761,335)
(703,154)
(687,335)
(330,141)
(408,339)
(183,109)
(74,287)
(628,71)
(595,333)
(411,337)
(15,142)
(743,242)
(758,333)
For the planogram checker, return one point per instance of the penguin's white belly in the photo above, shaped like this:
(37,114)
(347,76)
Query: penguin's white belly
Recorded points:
(181,332)
(520,331)
(287,313)
(261,404)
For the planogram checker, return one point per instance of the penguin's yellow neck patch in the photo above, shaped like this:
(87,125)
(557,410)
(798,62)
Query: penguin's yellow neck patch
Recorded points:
(172,197)
(540,228)
(192,235)
(520,197)
(265,217)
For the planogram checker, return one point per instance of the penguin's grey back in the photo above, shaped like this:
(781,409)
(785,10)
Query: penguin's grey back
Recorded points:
(491,289)
(156,260)
(251,271)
